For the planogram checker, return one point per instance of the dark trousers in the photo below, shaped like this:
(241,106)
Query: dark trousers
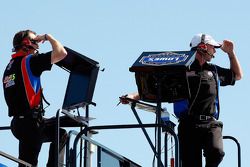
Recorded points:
(195,137)
(31,134)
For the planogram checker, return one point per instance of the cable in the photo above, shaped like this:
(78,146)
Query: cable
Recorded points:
(198,90)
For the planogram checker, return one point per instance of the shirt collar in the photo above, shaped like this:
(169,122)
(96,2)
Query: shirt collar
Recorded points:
(18,54)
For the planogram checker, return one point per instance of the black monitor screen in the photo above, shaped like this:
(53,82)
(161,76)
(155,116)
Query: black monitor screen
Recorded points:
(81,83)
(80,89)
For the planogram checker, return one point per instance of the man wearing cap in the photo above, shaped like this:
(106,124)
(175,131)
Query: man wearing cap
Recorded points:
(199,128)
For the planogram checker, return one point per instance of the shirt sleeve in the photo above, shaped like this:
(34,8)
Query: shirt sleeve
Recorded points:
(226,76)
(40,63)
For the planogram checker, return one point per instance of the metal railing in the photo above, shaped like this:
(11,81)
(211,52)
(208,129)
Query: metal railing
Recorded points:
(73,151)
(10,157)
(238,148)
(14,159)
(72,157)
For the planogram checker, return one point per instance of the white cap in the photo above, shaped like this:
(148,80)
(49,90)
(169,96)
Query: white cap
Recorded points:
(207,39)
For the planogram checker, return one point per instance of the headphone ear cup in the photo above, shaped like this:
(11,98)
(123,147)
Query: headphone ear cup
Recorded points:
(26,42)
(202,46)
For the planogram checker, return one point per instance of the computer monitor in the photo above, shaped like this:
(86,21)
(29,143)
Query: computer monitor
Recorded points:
(82,79)
(80,89)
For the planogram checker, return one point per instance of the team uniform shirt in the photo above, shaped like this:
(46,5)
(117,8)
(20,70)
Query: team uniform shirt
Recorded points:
(21,82)
(204,82)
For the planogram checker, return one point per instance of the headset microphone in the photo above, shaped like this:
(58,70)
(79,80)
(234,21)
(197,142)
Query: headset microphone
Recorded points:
(210,54)
(202,46)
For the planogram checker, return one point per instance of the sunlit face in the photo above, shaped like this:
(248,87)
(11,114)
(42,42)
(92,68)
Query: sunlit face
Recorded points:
(211,49)
(210,52)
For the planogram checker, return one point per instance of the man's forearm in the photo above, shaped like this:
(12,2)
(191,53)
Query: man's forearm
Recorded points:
(235,65)
(58,51)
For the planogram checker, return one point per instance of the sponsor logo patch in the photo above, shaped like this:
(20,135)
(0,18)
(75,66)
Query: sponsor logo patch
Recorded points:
(165,58)
(9,80)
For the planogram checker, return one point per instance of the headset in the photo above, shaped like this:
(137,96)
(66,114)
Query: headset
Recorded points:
(26,43)
(202,47)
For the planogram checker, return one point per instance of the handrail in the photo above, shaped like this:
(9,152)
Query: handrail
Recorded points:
(101,147)
(10,157)
(5,128)
(15,159)
(127,126)
(238,148)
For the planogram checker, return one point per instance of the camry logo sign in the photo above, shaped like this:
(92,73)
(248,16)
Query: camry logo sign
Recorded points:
(166,58)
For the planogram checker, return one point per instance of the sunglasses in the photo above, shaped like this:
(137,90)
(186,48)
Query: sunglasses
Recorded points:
(35,42)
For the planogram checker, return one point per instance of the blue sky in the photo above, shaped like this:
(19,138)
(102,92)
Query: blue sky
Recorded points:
(115,33)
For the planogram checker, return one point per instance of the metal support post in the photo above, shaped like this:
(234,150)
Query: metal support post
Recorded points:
(158,121)
(57,137)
